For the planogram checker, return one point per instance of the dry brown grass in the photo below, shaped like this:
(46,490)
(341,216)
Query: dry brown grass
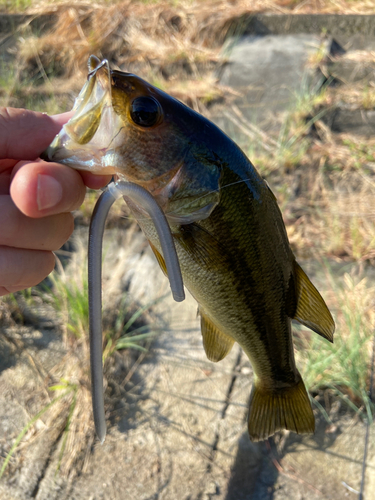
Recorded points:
(74,410)
(131,33)
(336,209)
(165,41)
(154,31)
(280,6)
(166,45)
(355,95)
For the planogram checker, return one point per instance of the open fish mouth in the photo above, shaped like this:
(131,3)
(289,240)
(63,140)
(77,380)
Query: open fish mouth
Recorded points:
(123,125)
(89,139)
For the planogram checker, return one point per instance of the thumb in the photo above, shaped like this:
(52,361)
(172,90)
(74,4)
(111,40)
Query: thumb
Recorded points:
(25,134)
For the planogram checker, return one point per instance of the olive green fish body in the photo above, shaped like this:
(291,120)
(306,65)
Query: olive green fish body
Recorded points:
(229,234)
(238,265)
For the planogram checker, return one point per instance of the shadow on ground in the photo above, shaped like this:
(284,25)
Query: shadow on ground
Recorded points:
(325,465)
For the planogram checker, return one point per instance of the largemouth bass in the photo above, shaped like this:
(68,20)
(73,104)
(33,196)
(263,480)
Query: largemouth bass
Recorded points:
(228,230)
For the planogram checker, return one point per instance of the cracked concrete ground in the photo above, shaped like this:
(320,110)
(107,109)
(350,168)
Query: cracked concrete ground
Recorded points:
(181,431)
(178,438)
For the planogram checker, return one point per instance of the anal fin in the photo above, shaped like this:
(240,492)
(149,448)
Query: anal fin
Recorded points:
(216,343)
(311,309)
(272,410)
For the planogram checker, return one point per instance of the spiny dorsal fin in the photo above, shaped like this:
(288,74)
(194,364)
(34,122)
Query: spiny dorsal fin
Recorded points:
(311,308)
(216,343)
(159,258)
(274,409)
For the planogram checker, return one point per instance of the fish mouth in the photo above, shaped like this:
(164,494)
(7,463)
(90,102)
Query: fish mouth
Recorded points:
(89,139)
(124,126)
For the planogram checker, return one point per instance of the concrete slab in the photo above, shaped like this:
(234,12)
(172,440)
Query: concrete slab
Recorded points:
(270,73)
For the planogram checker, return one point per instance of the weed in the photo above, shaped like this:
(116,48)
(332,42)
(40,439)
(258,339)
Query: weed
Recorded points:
(286,152)
(126,329)
(67,387)
(15,5)
(123,335)
(26,428)
(69,296)
(344,366)
(19,91)
(368,99)
(287,6)
(20,306)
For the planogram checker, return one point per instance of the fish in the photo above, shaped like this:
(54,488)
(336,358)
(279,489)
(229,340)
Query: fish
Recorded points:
(228,230)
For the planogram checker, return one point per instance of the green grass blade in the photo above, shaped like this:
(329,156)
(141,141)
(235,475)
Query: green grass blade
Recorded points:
(25,429)
(142,310)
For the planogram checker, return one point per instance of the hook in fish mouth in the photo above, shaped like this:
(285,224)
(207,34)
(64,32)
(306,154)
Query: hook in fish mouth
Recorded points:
(94,64)
(88,140)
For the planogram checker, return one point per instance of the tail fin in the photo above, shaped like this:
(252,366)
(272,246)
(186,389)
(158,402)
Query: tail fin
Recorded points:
(274,409)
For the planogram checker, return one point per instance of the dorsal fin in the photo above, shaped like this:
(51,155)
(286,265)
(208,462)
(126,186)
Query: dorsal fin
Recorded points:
(311,309)
(159,258)
(216,343)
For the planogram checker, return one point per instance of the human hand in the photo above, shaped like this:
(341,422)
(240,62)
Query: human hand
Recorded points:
(36,198)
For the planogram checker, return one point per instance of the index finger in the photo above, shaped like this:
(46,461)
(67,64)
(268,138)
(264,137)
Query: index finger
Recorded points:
(24,134)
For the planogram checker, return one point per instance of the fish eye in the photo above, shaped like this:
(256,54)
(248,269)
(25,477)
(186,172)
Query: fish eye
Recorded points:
(145,111)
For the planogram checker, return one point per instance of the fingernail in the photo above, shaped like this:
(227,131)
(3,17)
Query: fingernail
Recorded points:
(62,118)
(49,192)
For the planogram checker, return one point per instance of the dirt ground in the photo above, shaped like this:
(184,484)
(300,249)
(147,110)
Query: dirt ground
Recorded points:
(180,430)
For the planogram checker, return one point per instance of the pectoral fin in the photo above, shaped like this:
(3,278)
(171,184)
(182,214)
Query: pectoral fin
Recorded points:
(159,258)
(311,309)
(216,343)
(201,246)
